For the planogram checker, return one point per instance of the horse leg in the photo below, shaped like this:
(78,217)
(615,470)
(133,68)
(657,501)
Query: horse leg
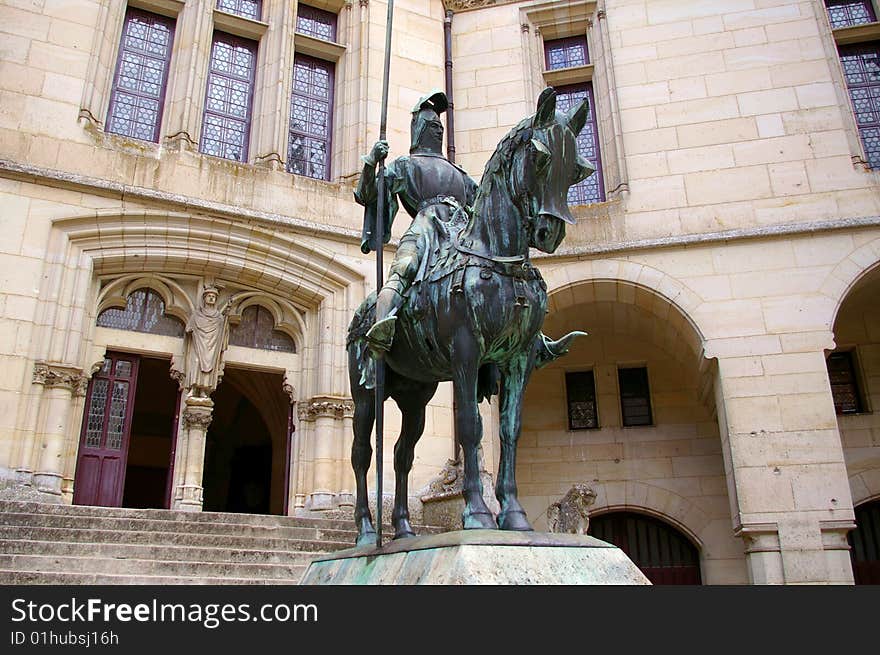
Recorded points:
(470,432)
(412,406)
(361,453)
(512,515)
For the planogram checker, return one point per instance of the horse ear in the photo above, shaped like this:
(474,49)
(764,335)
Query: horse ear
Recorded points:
(577,116)
(546,113)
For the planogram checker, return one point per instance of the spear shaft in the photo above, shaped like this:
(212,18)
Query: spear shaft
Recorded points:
(380,274)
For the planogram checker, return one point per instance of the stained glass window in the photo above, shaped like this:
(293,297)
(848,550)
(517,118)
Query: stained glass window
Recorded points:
(316,22)
(247,8)
(95,415)
(228,100)
(566,53)
(311,104)
(144,312)
(846,13)
(580,391)
(141,75)
(257,330)
(861,66)
(635,398)
(591,189)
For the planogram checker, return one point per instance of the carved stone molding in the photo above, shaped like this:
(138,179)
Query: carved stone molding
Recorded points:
(465,5)
(325,407)
(290,390)
(759,537)
(63,377)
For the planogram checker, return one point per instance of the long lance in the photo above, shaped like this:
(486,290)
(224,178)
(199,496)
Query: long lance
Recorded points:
(380,274)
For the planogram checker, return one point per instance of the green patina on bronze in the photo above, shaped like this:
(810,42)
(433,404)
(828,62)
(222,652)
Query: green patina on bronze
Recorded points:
(463,301)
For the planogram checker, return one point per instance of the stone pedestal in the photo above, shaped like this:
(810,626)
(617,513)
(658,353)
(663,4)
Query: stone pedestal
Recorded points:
(480,557)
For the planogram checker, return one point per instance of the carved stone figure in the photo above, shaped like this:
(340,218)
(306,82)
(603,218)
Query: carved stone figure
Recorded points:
(571,514)
(474,309)
(206,338)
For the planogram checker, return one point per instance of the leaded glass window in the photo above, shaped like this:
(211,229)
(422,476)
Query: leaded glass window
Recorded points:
(138,93)
(591,189)
(580,392)
(95,414)
(144,312)
(311,108)
(226,125)
(566,53)
(317,23)
(861,66)
(844,383)
(247,8)
(635,398)
(847,13)
(257,330)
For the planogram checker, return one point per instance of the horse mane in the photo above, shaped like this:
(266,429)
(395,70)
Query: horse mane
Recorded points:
(521,133)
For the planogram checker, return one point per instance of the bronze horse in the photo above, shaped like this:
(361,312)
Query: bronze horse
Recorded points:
(476,318)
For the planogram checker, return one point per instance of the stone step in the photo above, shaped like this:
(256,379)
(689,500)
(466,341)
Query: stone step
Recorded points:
(190,527)
(265,520)
(153,552)
(149,567)
(156,538)
(10,577)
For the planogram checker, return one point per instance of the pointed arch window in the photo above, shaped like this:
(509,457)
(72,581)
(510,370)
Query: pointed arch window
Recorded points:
(144,312)
(257,330)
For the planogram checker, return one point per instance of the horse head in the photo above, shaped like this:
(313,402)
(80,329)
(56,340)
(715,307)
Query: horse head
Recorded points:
(548,164)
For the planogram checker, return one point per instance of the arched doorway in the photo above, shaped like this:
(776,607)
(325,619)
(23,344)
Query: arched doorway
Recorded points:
(864,543)
(247,444)
(663,553)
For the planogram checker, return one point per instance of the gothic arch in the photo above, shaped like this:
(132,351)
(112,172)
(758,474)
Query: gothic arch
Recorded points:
(116,293)
(286,317)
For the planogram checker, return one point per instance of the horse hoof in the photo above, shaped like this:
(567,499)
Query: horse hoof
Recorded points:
(403,529)
(406,534)
(515,520)
(478,521)
(366,539)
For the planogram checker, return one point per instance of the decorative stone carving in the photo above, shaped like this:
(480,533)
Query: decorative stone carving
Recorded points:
(571,514)
(207,336)
(464,5)
(289,389)
(326,407)
(63,377)
(197,416)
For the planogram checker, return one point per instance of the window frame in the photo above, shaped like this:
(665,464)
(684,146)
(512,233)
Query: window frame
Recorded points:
(331,98)
(647,396)
(858,388)
(235,40)
(131,12)
(569,375)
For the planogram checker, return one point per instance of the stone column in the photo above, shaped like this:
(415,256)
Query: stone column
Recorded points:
(327,414)
(60,384)
(787,479)
(197,415)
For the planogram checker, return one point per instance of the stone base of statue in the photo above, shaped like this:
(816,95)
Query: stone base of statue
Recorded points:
(480,557)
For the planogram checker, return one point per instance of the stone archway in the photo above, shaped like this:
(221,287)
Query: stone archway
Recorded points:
(644,352)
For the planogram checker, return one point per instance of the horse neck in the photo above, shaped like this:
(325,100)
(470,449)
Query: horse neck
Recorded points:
(498,226)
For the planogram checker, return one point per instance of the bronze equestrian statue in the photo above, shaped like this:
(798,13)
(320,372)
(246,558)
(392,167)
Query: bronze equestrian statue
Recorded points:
(463,301)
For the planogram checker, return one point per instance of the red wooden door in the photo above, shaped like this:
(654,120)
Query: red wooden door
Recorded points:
(169,480)
(106,430)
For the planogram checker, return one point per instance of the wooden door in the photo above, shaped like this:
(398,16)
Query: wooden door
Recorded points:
(106,431)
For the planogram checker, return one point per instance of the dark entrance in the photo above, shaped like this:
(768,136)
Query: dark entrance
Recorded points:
(864,544)
(129,428)
(662,553)
(153,431)
(246,450)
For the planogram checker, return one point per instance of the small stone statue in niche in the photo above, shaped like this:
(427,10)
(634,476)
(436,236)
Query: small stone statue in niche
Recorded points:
(206,338)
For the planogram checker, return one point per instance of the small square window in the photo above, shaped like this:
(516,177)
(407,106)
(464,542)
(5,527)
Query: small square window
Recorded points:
(635,397)
(580,390)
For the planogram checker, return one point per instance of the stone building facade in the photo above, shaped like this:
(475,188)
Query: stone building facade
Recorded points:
(727,261)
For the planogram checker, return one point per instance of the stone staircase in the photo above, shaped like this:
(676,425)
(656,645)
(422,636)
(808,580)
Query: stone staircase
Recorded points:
(62,544)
